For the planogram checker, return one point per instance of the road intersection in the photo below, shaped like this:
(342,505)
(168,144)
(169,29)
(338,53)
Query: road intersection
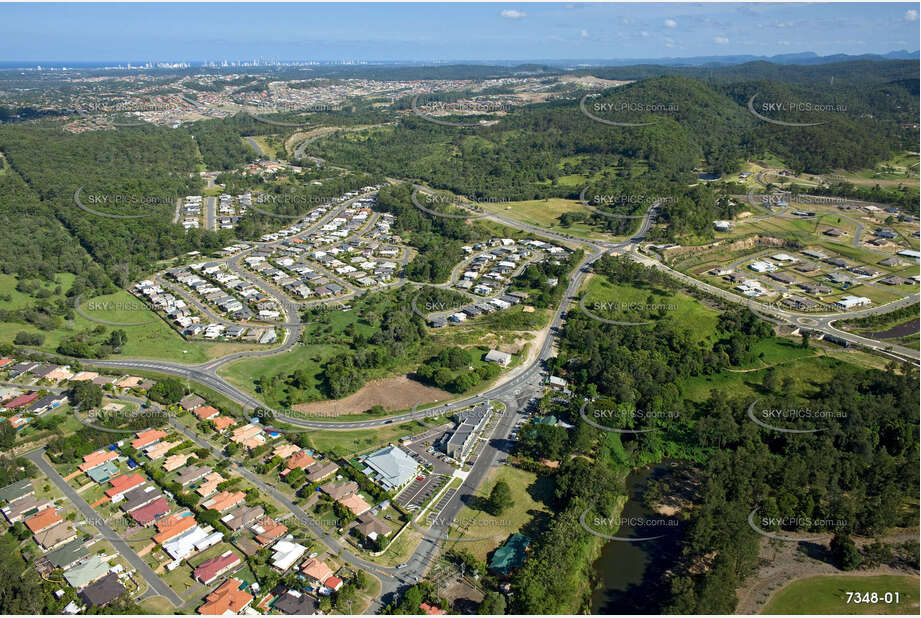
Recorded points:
(513,390)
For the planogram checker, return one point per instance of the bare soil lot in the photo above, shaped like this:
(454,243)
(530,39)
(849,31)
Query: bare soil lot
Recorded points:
(398,393)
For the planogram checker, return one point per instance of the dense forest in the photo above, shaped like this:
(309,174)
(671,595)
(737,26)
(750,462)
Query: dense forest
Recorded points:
(522,154)
(126,173)
(438,240)
(860,470)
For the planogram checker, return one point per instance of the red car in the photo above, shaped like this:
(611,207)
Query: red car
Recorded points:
(420,478)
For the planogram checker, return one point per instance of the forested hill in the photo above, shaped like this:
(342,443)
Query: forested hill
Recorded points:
(686,123)
(138,172)
(847,72)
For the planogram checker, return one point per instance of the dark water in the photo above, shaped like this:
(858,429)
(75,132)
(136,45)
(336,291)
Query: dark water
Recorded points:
(629,575)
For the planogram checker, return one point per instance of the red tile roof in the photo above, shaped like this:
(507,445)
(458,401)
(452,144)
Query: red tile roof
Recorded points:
(96,459)
(210,569)
(300,460)
(226,598)
(172,526)
(45,519)
(206,412)
(121,484)
(333,582)
(150,512)
(148,437)
(20,401)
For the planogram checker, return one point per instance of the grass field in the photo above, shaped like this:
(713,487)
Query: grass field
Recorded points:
(149,337)
(805,367)
(345,443)
(827,594)
(681,308)
(530,496)
(263,142)
(545,213)
(157,605)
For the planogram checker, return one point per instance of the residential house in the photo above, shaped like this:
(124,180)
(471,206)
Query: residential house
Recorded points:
(355,503)
(17,491)
(55,536)
(224,501)
(268,530)
(321,471)
(316,571)
(228,598)
(44,520)
(210,570)
(103,592)
(296,603)
(122,484)
(87,572)
(96,458)
(147,438)
(24,508)
(285,554)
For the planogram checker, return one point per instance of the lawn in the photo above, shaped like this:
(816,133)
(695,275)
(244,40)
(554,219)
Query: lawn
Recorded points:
(345,443)
(530,495)
(157,605)
(827,594)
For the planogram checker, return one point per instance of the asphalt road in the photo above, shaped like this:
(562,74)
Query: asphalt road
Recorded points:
(210,217)
(122,547)
(255,145)
(518,386)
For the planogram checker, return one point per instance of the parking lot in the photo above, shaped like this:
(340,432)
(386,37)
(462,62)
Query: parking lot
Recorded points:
(418,492)
(436,460)
(442,503)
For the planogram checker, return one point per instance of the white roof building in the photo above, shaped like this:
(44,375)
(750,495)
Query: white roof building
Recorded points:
(853,301)
(762,267)
(285,554)
(495,356)
(184,545)
(393,467)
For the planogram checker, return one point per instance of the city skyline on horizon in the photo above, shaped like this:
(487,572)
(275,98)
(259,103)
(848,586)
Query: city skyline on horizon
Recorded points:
(446,33)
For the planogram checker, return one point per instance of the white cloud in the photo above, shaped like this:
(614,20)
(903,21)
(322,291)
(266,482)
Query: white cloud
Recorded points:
(584,34)
(671,23)
(513,14)
(644,33)
(911,15)
(720,40)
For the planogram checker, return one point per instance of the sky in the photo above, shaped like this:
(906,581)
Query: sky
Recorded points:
(432,32)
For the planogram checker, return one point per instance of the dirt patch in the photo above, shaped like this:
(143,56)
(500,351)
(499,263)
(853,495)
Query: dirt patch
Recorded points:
(594,82)
(462,597)
(515,347)
(399,393)
(784,563)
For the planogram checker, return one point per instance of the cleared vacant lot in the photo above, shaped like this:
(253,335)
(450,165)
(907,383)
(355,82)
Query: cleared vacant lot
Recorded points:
(827,594)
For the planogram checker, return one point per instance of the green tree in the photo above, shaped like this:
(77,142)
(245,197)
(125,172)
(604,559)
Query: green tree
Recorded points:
(86,395)
(500,499)
(844,552)
(493,604)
